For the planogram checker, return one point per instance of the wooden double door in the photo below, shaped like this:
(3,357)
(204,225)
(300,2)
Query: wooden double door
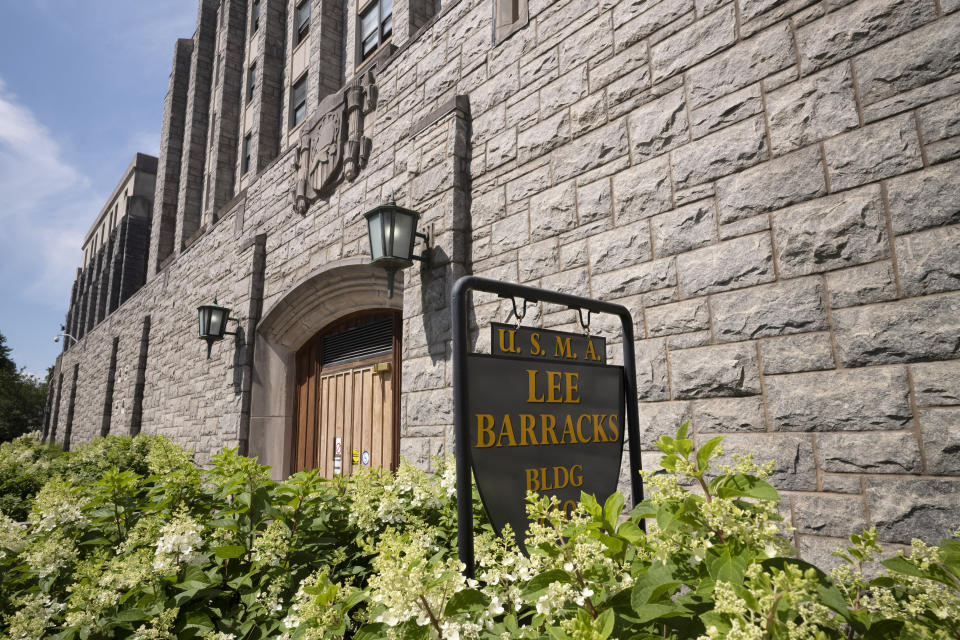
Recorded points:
(347,396)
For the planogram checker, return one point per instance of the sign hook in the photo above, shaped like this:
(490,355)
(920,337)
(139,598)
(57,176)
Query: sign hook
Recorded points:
(584,325)
(518,316)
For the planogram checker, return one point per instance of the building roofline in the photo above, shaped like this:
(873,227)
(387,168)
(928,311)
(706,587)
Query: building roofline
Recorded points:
(141,162)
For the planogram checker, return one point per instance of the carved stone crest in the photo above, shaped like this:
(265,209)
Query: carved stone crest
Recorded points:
(332,146)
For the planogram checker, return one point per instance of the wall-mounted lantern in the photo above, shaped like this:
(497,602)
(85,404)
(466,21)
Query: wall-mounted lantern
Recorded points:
(213,323)
(393,233)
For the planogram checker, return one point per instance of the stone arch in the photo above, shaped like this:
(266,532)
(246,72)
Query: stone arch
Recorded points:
(332,291)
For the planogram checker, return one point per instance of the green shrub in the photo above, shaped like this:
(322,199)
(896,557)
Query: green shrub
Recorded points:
(169,550)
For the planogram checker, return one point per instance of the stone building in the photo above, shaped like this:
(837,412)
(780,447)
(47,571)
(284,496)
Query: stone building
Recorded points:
(771,186)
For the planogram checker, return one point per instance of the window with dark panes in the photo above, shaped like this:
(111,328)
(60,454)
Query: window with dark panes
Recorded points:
(246,153)
(255,15)
(251,81)
(302,21)
(376,25)
(298,101)
(509,17)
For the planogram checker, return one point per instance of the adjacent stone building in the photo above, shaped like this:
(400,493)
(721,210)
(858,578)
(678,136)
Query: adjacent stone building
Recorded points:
(771,186)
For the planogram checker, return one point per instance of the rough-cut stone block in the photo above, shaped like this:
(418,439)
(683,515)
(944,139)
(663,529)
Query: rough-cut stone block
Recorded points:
(877,151)
(744,227)
(642,190)
(812,109)
(857,27)
(728,415)
(903,509)
(869,452)
(683,229)
(854,400)
(828,515)
(794,354)
(429,407)
(689,340)
(593,201)
(928,198)
(936,383)
(794,468)
(865,284)
(693,44)
(537,260)
(912,99)
(651,20)
(770,310)
(910,61)
(725,111)
(840,484)
(633,280)
(541,138)
(620,247)
(829,233)
(772,185)
(943,150)
(591,150)
(511,232)
(940,120)
(929,261)
(903,331)
(661,419)
(708,372)
(651,358)
(659,126)
(553,211)
(719,154)
(680,317)
(737,263)
(749,61)
(941,439)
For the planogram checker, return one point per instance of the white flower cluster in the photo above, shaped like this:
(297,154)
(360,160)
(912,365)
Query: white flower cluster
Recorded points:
(12,537)
(58,505)
(180,543)
(49,554)
(272,545)
(32,617)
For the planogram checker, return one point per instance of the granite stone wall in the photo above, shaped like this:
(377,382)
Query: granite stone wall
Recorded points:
(770,186)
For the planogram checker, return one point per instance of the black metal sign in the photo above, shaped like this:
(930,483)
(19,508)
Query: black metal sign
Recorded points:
(544,426)
(542,413)
(511,340)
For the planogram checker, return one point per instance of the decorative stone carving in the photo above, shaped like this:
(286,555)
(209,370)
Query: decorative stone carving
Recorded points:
(332,146)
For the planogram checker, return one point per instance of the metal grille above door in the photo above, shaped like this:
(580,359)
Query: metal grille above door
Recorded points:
(357,343)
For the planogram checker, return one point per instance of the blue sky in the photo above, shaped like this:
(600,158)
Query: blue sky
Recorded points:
(82,84)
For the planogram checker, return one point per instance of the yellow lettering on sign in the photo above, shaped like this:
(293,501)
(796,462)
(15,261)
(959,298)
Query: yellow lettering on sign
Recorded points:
(549,479)
(564,349)
(532,386)
(535,349)
(591,353)
(573,382)
(599,435)
(485,437)
(614,426)
(508,345)
(568,431)
(548,425)
(527,424)
(553,387)
(506,429)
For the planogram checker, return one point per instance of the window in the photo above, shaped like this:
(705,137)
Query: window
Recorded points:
(510,16)
(246,154)
(376,25)
(302,21)
(298,101)
(251,81)
(255,16)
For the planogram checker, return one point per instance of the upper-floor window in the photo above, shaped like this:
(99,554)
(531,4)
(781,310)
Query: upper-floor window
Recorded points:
(509,17)
(251,81)
(376,25)
(255,16)
(298,101)
(245,166)
(302,21)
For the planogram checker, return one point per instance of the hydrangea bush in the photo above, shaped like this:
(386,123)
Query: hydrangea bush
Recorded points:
(128,538)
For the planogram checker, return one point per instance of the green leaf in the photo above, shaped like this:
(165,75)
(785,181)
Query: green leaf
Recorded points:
(726,566)
(590,504)
(632,533)
(651,584)
(646,613)
(605,623)
(371,631)
(230,551)
(611,510)
(703,453)
(557,633)
(741,485)
(466,601)
(538,585)
(885,630)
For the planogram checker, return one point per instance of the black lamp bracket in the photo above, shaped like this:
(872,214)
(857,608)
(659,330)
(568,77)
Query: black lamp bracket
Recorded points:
(231,333)
(427,242)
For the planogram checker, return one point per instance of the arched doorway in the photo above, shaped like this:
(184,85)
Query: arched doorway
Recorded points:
(347,395)
(336,292)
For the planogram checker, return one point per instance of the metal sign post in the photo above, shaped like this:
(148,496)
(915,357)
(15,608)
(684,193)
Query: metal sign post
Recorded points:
(585,420)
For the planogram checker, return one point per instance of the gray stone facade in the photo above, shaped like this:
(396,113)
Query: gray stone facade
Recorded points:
(771,188)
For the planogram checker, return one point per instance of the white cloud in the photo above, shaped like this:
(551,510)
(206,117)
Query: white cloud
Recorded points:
(46,206)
